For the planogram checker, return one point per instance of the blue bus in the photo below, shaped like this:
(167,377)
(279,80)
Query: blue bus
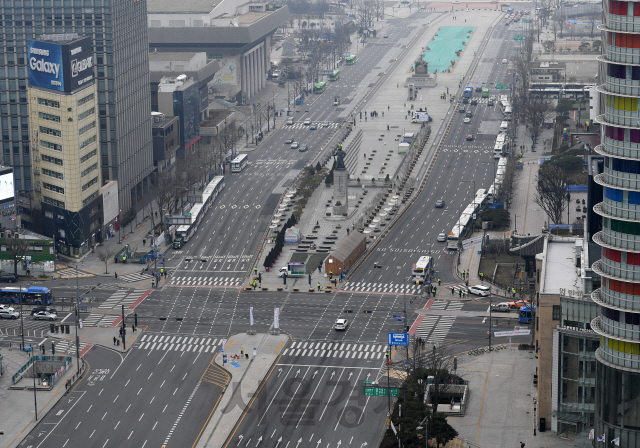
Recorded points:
(33,295)
(468,91)
(510,10)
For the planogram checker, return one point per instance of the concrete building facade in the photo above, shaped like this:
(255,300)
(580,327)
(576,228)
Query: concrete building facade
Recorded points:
(64,141)
(618,323)
(121,67)
(235,33)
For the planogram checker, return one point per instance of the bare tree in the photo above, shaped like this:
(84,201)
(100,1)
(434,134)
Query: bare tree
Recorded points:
(438,363)
(560,17)
(550,191)
(593,16)
(104,256)
(536,112)
(18,248)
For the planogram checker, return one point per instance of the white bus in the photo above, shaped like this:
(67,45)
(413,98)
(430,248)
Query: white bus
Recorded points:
(507,113)
(423,269)
(481,192)
(503,127)
(491,194)
(239,163)
(459,231)
(497,150)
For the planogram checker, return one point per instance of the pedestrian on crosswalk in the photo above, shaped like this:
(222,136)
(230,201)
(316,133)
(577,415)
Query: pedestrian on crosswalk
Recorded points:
(116,275)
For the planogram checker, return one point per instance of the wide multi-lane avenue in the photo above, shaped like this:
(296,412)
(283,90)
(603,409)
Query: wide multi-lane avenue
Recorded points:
(163,391)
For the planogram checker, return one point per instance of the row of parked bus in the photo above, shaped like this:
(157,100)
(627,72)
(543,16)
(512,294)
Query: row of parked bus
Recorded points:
(505,107)
(209,194)
(464,225)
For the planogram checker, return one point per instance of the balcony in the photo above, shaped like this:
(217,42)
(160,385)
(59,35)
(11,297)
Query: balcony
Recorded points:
(616,300)
(618,149)
(617,210)
(622,23)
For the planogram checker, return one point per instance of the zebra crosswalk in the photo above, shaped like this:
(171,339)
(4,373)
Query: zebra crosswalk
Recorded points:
(72,273)
(134,277)
(178,343)
(394,288)
(304,126)
(204,281)
(434,329)
(344,350)
(68,347)
(118,298)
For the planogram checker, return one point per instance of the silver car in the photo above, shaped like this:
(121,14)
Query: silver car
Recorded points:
(295,145)
(7,314)
(341,324)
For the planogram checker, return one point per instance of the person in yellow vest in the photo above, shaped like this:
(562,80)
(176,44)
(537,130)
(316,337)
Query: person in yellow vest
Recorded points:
(124,258)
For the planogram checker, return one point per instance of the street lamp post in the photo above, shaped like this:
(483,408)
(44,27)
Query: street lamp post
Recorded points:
(77,320)
(21,320)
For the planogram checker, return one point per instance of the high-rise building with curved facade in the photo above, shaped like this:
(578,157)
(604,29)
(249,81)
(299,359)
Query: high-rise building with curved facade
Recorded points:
(617,407)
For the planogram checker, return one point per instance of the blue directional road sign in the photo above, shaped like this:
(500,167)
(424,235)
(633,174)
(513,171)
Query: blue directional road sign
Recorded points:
(401,339)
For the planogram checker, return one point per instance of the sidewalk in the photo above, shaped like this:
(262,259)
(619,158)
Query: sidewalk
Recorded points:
(18,409)
(246,378)
(102,336)
(500,412)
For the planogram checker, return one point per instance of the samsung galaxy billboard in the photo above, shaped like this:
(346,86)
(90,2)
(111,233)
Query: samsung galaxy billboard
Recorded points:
(64,66)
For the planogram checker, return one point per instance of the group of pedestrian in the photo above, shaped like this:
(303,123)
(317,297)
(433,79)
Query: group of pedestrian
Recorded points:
(433,290)
(465,274)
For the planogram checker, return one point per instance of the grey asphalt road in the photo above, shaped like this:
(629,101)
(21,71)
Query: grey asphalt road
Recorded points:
(136,400)
(230,234)
(315,398)
(460,160)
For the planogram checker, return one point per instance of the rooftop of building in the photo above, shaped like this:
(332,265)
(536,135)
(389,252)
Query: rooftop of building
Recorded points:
(161,120)
(173,7)
(26,235)
(251,17)
(548,65)
(559,271)
(68,38)
(172,56)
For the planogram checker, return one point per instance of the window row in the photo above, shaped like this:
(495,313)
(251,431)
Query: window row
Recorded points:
(630,228)
(622,134)
(88,141)
(89,170)
(90,183)
(614,315)
(50,103)
(86,113)
(621,346)
(624,8)
(89,198)
(51,173)
(54,202)
(622,102)
(49,117)
(621,257)
(624,40)
(46,158)
(88,155)
(49,131)
(53,188)
(54,146)
(621,287)
(85,99)
(613,194)
(623,71)
(622,165)
(86,127)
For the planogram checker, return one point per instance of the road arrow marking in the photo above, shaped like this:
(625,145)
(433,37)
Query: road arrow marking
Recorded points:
(319,442)
(314,374)
(339,442)
(299,442)
(259,440)
(279,440)
(332,373)
(350,373)
(297,373)
(279,371)
(240,441)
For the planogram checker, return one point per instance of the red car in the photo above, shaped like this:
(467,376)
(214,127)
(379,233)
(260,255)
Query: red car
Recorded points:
(469,137)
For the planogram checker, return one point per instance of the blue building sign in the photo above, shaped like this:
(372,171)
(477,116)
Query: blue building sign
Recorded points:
(63,65)
(45,65)
(401,339)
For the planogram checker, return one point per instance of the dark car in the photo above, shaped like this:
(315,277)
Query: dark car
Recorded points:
(9,278)
(288,141)
(468,115)
(461,110)
(465,101)
(490,103)
(313,126)
(439,203)
(469,137)
(45,309)
(303,148)
(474,102)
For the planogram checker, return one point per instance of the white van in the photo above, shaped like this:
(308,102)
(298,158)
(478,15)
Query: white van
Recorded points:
(504,126)
(289,121)
(504,61)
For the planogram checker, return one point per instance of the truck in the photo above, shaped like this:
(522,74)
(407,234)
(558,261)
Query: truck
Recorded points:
(293,270)
(336,101)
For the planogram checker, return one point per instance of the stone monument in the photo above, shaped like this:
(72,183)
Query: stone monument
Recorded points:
(341,186)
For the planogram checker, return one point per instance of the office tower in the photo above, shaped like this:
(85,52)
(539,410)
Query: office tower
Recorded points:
(119,34)
(617,404)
